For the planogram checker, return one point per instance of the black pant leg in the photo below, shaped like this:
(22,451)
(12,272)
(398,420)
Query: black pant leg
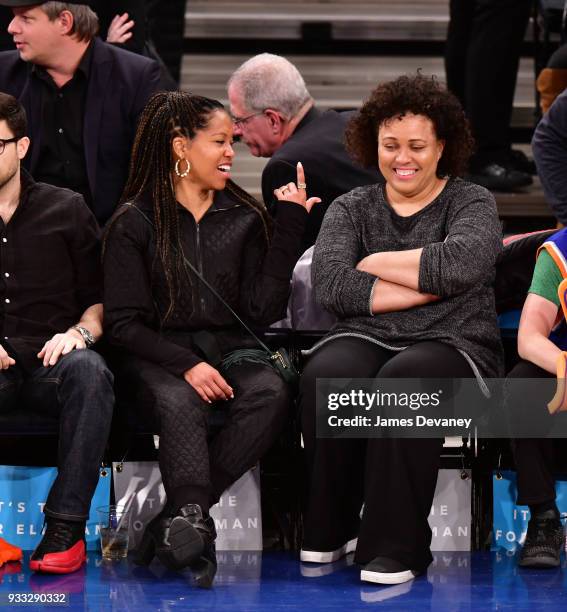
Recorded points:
(181,418)
(258,413)
(533,456)
(401,474)
(457,44)
(10,383)
(78,389)
(335,467)
(167,21)
(491,70)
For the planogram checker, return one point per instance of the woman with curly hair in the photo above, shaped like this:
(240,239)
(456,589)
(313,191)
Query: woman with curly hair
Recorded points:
(180,213)
(407,266)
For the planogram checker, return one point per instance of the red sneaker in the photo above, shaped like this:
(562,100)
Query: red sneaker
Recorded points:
(62,549)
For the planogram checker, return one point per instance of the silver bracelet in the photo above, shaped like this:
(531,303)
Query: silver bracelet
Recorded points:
(86,334)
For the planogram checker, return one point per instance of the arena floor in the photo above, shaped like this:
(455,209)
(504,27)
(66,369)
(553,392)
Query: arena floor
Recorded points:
(250,581)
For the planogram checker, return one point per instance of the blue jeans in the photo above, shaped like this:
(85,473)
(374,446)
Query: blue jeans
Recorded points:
(78,390)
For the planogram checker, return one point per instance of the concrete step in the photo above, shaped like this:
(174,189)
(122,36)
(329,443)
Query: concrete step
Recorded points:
(407,20)
(349,19)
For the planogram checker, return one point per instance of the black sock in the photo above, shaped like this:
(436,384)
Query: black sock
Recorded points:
(536,509)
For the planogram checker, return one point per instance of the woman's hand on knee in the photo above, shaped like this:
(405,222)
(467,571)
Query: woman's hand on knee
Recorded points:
(208,383)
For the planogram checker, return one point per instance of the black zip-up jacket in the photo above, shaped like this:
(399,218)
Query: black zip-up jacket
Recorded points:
(229,247)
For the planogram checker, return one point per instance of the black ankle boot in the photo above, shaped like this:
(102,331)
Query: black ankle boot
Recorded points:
(191,539)
(155,536)
(184,540)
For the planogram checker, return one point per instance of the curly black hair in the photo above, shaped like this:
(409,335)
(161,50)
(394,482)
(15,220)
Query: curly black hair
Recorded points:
(419,95)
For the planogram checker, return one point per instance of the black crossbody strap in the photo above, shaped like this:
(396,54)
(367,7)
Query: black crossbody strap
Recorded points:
(209,287)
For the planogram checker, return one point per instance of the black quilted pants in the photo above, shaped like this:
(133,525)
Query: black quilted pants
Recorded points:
(195,468)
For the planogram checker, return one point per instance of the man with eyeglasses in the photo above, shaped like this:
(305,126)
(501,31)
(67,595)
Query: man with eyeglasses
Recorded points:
(275,116)
(50,315)
(82,96)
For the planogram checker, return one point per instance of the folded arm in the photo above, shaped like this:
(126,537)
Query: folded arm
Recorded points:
(467,256)
(463,260)
(390,297)
(338,285)
(399,267)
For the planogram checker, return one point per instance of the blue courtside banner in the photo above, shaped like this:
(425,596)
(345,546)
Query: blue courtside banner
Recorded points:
(510,521)
(23,491)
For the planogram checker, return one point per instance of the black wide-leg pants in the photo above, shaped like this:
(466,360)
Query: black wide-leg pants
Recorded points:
(395,479)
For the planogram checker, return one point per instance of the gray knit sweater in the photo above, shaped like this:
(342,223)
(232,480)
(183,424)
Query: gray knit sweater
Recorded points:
(461,237)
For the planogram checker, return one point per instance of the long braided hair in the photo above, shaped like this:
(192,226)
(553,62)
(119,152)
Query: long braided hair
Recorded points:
(166,116)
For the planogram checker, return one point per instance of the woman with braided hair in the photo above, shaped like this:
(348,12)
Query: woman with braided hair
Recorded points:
(180,209)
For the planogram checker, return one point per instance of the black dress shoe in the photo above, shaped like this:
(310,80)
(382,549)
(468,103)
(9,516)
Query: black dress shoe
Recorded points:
(520,161)
(544,541)
(499,177)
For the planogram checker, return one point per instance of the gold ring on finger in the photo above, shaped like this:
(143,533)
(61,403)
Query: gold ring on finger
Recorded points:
(302,185)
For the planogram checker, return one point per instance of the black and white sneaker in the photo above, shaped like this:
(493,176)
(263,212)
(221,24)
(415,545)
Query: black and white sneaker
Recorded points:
(387,571)
(544,541)
(327,556)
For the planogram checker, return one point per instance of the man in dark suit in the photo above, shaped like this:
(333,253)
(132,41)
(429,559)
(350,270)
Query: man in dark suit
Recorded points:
(82,97)
(275,116)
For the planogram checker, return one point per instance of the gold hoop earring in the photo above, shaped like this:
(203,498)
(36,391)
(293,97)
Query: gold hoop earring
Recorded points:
(182,174)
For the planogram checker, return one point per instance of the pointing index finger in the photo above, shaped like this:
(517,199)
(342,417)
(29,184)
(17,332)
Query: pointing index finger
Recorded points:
(300,175)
